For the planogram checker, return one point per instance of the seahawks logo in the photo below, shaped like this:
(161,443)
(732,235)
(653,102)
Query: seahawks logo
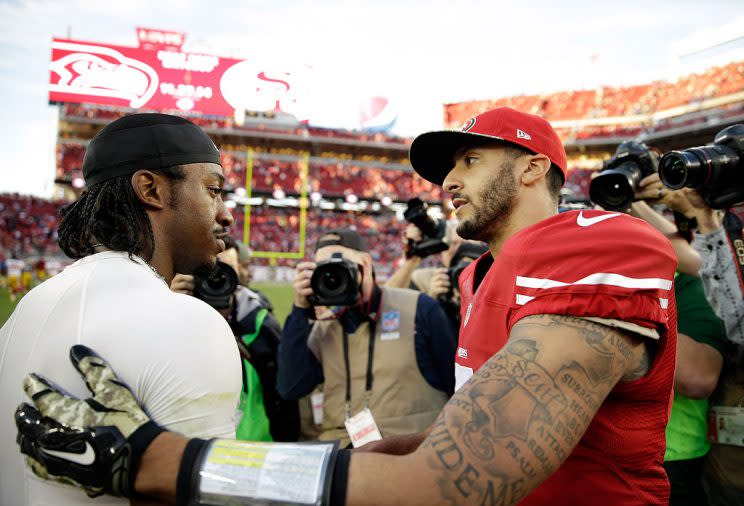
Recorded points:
(468,125)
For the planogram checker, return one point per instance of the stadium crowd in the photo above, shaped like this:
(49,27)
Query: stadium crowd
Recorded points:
(28,228)
(609,102)
(332,179)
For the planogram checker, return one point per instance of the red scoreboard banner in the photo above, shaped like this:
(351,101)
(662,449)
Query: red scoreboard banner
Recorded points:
(164,78)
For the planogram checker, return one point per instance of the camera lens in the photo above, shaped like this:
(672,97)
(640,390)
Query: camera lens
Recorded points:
(614,189)
(217,281)
(333,280)
(611,191)
(215,287)
(679,169)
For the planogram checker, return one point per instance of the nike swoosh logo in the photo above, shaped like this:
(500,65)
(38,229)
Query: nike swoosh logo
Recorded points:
(84,459)
(588,222)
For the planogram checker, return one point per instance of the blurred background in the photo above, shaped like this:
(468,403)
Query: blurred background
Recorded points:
(314,104)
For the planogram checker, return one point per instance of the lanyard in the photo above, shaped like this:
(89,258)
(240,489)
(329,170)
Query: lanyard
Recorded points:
(370,361)
(733,227)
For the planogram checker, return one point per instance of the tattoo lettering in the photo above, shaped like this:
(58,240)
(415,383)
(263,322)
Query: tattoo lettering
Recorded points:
(517,456)
(513,378)
(466,480)
(506,492)
(524,411)
(444,446)
(570,378)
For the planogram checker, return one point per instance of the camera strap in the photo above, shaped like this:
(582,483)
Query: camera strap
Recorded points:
(370,363)
(733,227)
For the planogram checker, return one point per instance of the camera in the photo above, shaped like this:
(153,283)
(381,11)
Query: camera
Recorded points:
(463,256)
(216,287)
(431,230)
(716,170)
(334,282)
(615,186)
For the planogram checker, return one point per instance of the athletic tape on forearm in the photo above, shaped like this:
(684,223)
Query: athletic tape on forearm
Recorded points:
(225,472)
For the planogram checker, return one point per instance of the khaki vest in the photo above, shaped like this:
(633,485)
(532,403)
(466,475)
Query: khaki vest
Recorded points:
(401,400)
(725,463)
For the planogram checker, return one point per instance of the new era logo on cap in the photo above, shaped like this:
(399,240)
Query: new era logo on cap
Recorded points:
(523,135)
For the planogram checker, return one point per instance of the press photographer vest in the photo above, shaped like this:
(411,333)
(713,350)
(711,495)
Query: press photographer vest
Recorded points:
(725,462)
(401,400)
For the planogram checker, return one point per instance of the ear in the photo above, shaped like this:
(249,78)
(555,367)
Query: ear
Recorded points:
(537,168)
(150,188)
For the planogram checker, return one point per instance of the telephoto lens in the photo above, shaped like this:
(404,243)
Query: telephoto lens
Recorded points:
(716,171)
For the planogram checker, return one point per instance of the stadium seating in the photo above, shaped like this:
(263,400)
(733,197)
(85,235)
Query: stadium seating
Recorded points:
(609,102)
(28,228)
(28,225)
(277,229)
(330,179)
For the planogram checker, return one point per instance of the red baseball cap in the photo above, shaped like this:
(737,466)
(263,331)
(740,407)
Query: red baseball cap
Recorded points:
(432,153)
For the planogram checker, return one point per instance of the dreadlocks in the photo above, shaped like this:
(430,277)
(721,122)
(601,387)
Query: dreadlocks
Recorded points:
(109,213)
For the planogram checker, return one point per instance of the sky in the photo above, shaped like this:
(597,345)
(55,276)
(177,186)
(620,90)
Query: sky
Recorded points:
(418,54)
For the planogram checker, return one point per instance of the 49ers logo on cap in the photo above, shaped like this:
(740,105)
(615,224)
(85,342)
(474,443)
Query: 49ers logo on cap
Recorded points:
(468,125)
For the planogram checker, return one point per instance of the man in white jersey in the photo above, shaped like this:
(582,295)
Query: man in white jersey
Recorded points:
(153,207)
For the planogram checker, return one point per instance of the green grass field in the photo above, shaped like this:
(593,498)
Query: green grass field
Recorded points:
(6,307)
(280,295)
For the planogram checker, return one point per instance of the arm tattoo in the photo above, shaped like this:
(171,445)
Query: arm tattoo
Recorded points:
(515,422)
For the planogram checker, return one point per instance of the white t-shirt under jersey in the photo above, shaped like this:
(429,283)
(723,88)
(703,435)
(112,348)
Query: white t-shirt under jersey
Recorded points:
(176,353)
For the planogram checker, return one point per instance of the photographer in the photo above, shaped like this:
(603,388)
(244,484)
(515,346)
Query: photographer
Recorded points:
(439,283)
(701,346)
(706,180)
(385,355)
(265,415)
(424,236)
(723,478)
(443,281)
(629,183)
(245,276)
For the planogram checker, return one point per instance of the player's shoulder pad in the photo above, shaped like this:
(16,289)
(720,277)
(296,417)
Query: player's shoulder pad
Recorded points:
(606,240)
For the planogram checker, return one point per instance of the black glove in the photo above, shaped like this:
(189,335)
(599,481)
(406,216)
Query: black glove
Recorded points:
(95,443)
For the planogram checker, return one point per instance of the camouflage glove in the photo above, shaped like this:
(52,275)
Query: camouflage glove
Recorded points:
(95,443)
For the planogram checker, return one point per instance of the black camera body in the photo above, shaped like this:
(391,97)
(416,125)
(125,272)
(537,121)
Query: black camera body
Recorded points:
(432,231)
(615,186)
(334,282)
(217,287)
(716,170)
(463,256)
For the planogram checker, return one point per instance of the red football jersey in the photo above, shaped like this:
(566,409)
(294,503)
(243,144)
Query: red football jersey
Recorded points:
(586,264)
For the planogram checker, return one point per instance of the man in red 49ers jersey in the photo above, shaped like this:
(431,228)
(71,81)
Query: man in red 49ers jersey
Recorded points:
(567,346)
(564,370)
